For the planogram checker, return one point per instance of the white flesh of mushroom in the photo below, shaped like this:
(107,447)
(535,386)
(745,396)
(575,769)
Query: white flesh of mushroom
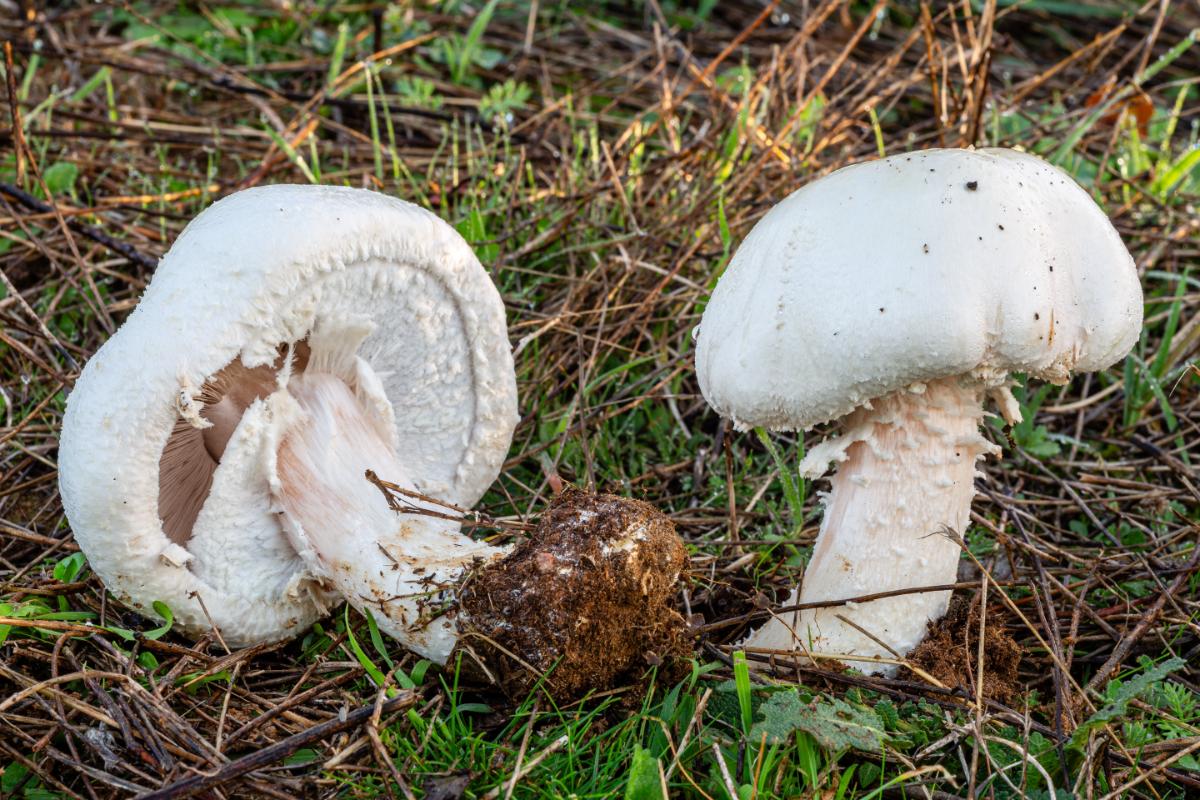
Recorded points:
(399,567)
(902,490)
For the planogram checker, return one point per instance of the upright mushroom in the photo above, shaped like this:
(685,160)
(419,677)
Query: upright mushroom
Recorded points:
(213,450)
(894,297)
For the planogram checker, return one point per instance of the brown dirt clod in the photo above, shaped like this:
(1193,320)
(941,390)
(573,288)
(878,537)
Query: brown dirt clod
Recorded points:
(586,599)
(950,651)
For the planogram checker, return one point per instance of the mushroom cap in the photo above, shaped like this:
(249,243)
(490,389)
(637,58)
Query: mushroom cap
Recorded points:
(912,268)
(253,273)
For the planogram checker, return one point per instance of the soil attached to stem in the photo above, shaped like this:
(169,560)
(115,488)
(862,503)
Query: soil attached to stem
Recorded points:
(950,652)
(584,604)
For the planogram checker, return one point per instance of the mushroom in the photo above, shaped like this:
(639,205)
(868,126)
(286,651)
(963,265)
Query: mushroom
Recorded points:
(894,297)
(213,451)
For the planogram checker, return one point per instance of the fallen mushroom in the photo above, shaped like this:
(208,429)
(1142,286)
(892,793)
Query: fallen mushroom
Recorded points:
(214,452)
(894,297)
(278,306)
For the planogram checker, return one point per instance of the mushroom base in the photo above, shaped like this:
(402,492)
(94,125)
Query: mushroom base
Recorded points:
(903,488)
(583,605)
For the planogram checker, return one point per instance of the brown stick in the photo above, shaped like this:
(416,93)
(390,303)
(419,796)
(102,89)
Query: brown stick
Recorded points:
(866,598)
(97,236)
(14,109)
(1126,644)
(276,752)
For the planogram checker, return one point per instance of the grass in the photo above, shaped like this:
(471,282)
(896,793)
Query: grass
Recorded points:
(604,161)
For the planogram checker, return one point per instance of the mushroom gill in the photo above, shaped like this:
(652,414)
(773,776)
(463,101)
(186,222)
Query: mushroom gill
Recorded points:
(191,455)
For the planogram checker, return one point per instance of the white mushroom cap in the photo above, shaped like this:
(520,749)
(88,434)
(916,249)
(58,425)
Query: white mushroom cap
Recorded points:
(912,268)
(254,274)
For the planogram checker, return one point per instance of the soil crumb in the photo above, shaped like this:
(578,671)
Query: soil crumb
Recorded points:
(587,599)
(950,652)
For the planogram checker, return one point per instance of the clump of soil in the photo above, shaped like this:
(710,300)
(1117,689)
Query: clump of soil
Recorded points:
(950,652)
(586,599)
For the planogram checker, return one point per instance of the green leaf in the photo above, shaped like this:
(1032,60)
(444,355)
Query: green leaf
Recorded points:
(296,159)
(192,682)
(1151,382)
(1159,364)
(60,177)
(724,704)
(644,781)
(888,714)
(68,569)
(122,633)
(470,45)
(163,611)
(878,132)
(1062,8)
(419,92)
(92,84)
(61,616)
(374,672)
(13,776)
(723,225)
(305,756)
(487,58)
(1176,173)
(237,18)
(869,774)
(1039,444)
(41,793)
(835,725)
(1167,58)
(741,678)
(339,55)
(794,488)
(1121,693)
(377,640)
(502,99)
(417,676)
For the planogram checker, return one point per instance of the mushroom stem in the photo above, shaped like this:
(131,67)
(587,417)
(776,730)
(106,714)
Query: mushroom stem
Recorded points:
(402,568)
(906,476)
